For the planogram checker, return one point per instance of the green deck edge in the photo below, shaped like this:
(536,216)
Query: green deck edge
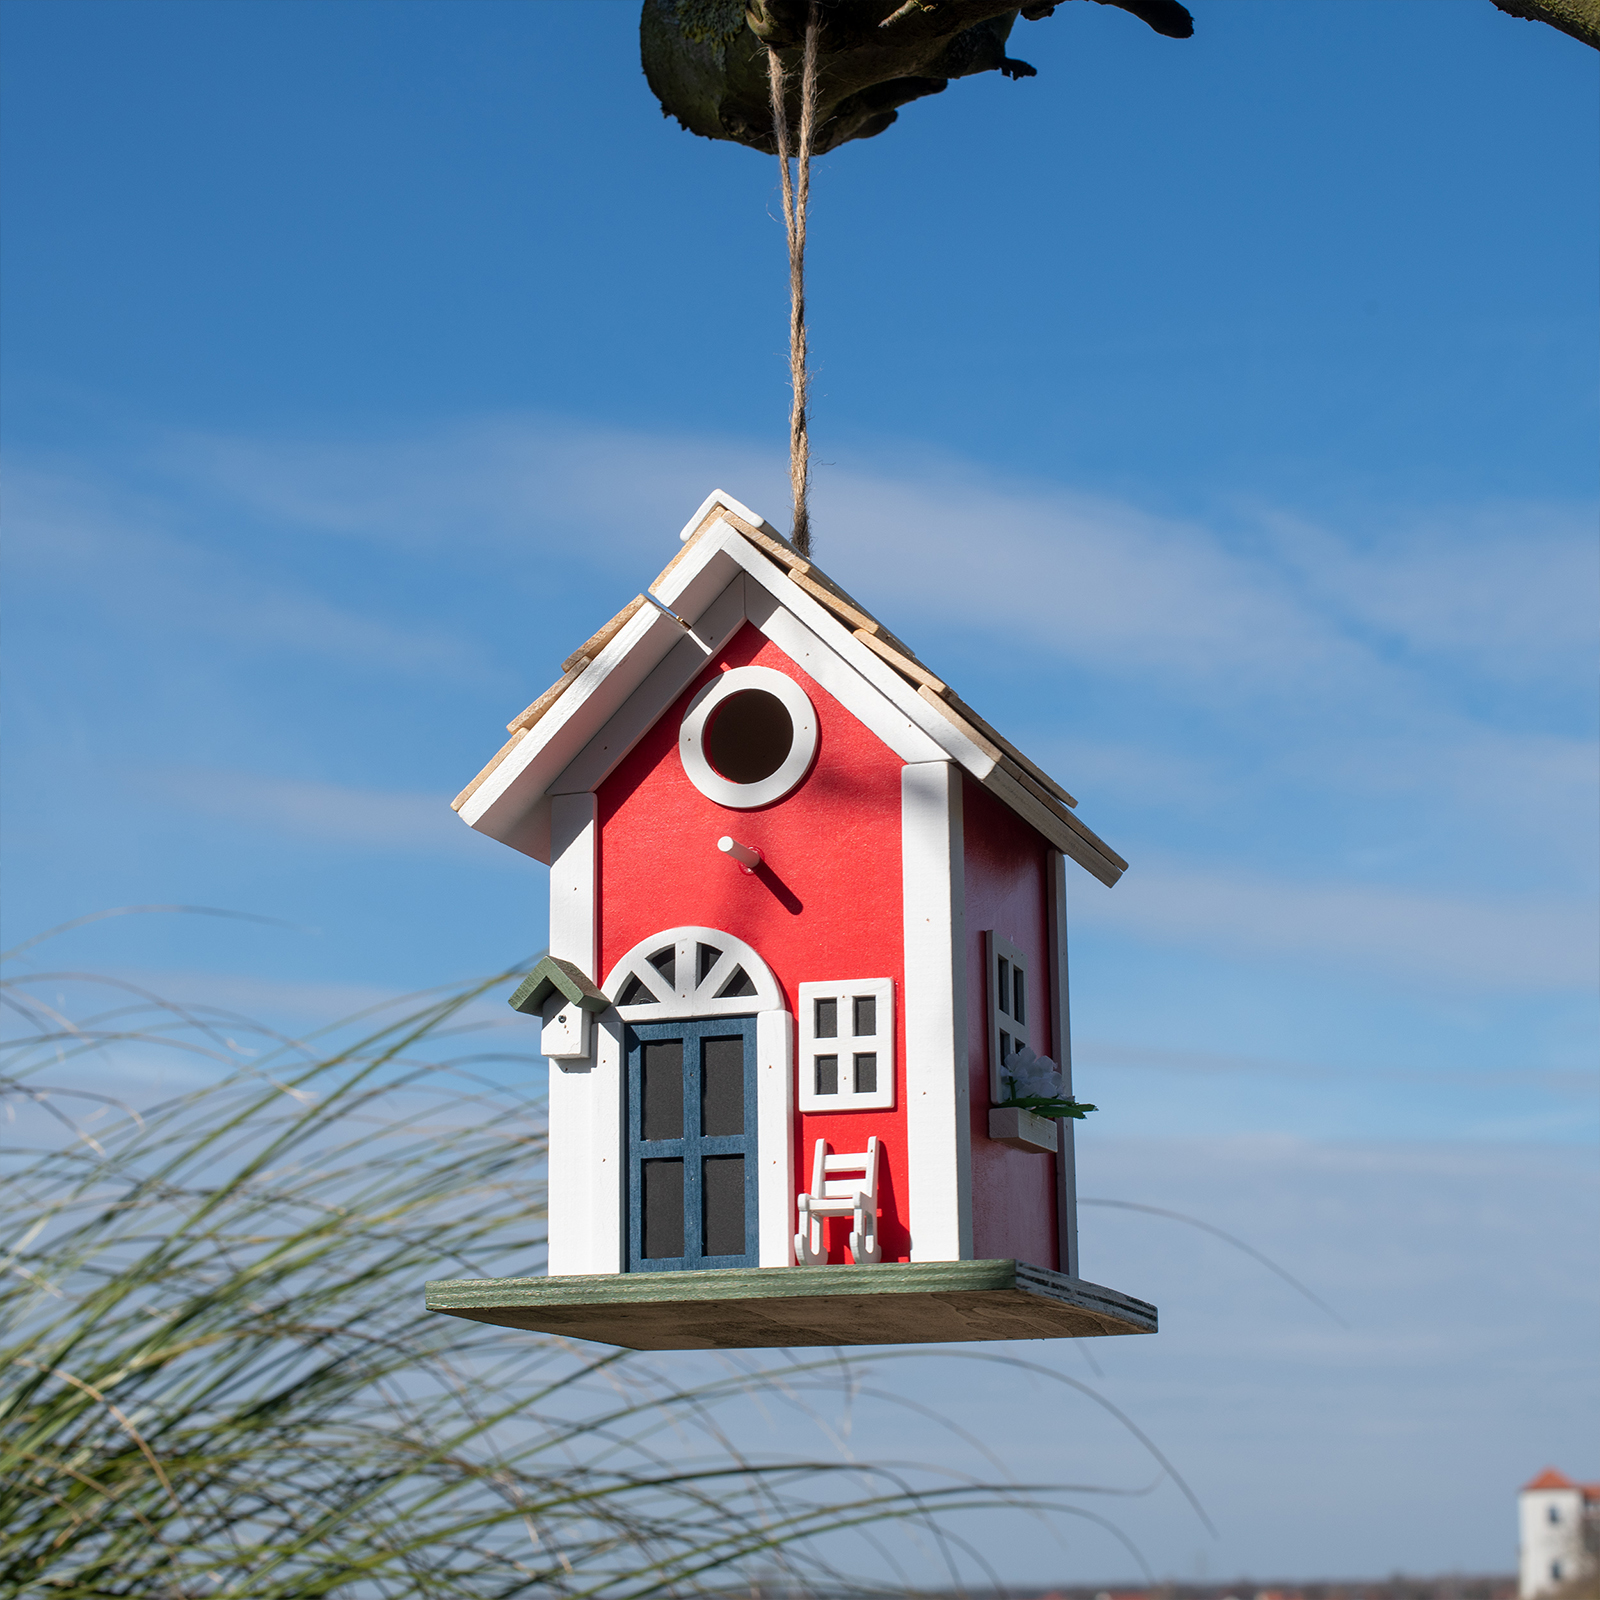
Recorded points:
(747,1307)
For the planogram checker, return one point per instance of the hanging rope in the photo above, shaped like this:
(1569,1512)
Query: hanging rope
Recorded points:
(796,200)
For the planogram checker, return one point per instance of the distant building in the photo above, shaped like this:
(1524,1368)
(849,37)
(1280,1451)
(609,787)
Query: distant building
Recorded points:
(1559,1528)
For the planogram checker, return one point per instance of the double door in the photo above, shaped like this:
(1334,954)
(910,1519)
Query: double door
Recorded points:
(691,1113)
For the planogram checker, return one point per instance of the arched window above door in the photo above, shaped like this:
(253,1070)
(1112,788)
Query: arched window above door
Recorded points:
(691,972)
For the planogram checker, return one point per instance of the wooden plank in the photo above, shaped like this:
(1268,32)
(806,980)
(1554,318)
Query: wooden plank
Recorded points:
(1062,829)
(493,762)
(526,718)
(845,610)
(818,584)
(1039,775)
(926,1302)
(598,641)
(1037,790)
(907,666)
(778,548)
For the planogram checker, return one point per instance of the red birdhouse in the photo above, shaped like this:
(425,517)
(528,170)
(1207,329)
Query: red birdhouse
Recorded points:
(805,1002)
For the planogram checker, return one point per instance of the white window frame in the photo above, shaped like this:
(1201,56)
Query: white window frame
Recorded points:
(847,1045)
(691,738)
(996,950)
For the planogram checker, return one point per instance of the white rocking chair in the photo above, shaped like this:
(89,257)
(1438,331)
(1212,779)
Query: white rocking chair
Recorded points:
(831,1197)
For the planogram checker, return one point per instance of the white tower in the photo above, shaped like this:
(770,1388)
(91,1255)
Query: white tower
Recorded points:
(1559,1521)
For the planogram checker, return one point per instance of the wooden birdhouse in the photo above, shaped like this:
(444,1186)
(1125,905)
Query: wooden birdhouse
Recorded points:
(808,951)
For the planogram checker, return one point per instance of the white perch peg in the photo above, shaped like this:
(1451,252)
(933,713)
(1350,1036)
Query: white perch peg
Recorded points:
(748,857)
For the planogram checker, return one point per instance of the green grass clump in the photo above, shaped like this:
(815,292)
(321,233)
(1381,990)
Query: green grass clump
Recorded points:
(216,1377)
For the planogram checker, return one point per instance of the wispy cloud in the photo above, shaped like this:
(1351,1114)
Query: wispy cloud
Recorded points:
(109,545)
(1467,939)
(1409,691)
(366,819)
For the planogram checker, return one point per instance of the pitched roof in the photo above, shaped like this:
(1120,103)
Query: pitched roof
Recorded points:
(509,798)
(1550,1479)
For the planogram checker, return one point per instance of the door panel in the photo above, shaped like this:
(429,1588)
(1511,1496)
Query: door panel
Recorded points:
(691,1118)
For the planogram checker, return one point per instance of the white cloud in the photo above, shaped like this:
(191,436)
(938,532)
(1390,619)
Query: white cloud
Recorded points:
(1285,604)
(1461,939)
(371,819)
(1269,667)
(112,547)
(1501,587)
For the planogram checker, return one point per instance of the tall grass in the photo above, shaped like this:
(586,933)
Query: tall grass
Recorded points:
(218,1379)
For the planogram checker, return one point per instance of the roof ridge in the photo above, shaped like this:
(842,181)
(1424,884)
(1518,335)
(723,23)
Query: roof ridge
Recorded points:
(1028,781)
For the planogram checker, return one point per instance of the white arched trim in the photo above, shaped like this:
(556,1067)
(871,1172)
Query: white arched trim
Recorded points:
(695,991)
(691,972)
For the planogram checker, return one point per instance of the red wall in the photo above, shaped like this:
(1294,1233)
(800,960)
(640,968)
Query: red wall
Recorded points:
(1013,1191)
(828,908)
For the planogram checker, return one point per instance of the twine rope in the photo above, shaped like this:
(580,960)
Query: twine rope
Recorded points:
(796,201)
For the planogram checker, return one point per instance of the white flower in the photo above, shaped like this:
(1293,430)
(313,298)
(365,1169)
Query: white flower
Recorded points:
(1032,1076)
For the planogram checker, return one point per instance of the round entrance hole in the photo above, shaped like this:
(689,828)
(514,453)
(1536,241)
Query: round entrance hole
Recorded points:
(750,736)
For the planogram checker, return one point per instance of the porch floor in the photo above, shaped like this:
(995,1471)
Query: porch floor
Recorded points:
(920,1302)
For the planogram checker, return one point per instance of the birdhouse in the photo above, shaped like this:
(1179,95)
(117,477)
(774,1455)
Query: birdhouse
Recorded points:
(806,991)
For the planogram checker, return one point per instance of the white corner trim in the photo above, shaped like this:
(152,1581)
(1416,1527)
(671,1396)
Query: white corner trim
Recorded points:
(844,1044)
(689,994)
(585,1095)
(721,497)
(1061,1039)
(775,1137)
(938,1099)
(586,1161)
(573,866)
(794,767)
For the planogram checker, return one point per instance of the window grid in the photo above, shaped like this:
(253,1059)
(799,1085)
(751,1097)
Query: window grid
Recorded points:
(847,1045)
(1010,1003)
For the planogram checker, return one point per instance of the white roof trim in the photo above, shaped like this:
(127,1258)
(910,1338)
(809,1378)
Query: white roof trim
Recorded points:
(720,498)
(512,804)
(830,631)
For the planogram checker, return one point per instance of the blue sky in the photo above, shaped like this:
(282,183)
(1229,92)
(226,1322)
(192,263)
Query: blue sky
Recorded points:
(1217,415)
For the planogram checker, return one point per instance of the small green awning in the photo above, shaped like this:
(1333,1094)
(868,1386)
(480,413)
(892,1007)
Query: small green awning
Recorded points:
(555,976)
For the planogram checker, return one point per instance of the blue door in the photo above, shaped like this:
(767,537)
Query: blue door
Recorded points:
(692,1144)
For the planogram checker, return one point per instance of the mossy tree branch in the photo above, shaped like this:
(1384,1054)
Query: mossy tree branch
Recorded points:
(706,60)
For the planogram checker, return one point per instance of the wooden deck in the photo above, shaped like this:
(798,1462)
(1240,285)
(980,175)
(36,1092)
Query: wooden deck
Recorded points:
(922,1302)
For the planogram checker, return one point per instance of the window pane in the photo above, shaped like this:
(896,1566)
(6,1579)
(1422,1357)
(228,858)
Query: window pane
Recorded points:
(866,1017)
(662,1071)
(1002,984)
(866,1072)
(666,963)
(827,1019)
(722,1087)
(1005,1046)
(662,1183)
(827,1074)
(722,1179)
(737,986)
(706,957)
(636,993)
(1019,994)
